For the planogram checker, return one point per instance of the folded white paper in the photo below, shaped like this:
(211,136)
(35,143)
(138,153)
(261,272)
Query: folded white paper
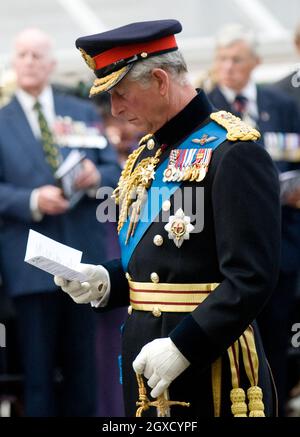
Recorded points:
(53,257)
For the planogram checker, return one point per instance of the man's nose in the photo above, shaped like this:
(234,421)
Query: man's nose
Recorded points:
(228,64)
(116,107)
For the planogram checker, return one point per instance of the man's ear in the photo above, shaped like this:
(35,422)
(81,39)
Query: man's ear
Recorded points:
(161,77)
(257,60)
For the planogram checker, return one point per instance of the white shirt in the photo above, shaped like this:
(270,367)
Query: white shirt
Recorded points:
(27,102)
(250,92)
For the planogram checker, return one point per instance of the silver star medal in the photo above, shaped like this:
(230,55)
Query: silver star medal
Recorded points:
(147,173)
(179,227)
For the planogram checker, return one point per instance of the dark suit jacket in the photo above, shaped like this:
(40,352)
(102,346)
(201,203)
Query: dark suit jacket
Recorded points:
(286,85)
(23,168)
(277,113)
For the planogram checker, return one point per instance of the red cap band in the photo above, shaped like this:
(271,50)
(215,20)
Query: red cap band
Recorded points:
(116,54)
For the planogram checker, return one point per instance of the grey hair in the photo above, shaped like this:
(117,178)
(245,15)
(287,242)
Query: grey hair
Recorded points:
(233,33)
(172,62)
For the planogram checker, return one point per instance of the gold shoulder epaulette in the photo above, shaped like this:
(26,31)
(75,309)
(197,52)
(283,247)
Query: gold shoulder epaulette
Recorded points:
(237,130)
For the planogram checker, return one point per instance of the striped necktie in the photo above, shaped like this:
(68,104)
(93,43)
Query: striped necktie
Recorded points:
(240,105)
(51,152)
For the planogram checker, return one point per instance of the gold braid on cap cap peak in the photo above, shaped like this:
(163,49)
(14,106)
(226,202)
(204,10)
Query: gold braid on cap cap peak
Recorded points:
(88,59)
(237,130)
(106,82)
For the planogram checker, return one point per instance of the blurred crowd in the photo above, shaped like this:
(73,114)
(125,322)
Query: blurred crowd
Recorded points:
(61,359)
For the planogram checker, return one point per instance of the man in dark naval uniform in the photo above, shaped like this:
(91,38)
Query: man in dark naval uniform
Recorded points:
(196,270)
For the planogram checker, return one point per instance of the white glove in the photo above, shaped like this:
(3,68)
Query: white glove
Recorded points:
(85,292)
(161,362)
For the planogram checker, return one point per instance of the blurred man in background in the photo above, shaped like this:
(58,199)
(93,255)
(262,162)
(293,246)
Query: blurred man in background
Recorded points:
(291,83)
(50,326)
(236,57)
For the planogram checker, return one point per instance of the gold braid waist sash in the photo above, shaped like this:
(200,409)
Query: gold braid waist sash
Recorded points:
(163,297)
(149,296)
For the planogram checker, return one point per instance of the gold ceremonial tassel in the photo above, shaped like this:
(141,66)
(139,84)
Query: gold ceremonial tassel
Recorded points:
(250,358)
(237,394)
(239,406)
(256,405)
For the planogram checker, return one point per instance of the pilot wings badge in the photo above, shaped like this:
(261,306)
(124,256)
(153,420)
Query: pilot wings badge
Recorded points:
(204,139)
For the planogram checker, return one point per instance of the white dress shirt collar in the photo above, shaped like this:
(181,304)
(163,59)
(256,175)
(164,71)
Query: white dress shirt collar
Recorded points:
(249,91)
(27,102)
(251,115)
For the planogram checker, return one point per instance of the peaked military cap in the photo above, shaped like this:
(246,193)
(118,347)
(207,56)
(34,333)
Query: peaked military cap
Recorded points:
(112,54)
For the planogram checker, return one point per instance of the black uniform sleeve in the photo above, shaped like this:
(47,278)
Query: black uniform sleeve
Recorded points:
(246,208)
(119,295)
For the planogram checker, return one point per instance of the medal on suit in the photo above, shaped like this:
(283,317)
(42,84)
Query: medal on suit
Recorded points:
(188,164)
(179,227)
